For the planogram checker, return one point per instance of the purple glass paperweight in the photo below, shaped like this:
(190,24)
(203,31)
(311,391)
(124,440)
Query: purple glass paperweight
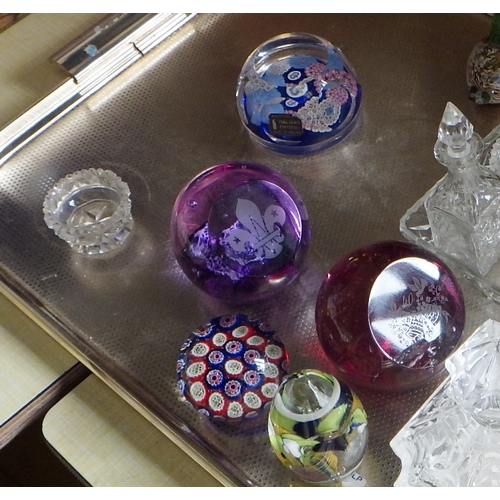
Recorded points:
(298,94)
(240,232)
(388,315)
(230,368)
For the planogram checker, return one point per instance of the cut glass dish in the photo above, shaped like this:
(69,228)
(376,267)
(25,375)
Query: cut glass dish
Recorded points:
(454,438)
(90,210)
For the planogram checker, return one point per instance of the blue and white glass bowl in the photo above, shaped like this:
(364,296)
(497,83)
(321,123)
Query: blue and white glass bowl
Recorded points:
(298,94)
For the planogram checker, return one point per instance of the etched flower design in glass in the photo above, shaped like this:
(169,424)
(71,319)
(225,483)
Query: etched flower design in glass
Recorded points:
(320,95)
(261,103)
(318,116)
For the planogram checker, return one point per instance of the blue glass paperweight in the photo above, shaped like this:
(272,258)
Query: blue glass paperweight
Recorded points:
(297,94)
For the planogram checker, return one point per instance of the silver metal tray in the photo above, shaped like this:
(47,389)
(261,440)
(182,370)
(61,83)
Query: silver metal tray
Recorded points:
(169,116)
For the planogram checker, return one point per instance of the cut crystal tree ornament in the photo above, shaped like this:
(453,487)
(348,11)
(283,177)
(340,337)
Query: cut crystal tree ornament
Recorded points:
(454,438)
(483,67)
(464,208)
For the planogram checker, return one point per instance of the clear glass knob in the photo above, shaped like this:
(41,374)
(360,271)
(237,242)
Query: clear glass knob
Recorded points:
(455,131)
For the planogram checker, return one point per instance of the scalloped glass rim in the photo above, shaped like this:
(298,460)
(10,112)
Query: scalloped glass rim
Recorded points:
(415,227)
(95,237)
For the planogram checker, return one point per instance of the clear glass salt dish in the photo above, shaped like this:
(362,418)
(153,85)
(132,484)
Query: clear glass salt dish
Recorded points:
(454,438)
(90,210)
(297,94)
(459,217)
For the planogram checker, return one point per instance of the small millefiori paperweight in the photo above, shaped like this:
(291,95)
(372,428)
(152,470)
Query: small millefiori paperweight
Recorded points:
(230,368)
(90,210)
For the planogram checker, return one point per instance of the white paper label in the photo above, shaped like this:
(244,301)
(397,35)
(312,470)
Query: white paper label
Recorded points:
(354,480)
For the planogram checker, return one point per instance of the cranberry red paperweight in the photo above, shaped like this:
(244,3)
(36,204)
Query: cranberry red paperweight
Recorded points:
(240,232)
(230,368)
(318,427)
(297,94)
(388,315)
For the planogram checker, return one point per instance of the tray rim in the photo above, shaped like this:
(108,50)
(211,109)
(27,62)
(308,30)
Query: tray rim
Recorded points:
(53,328)
(13,138)
(35,310)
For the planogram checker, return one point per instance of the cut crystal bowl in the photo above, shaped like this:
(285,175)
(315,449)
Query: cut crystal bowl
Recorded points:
(90,210)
